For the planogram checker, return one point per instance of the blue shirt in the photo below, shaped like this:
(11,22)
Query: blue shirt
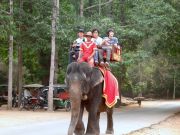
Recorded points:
(111,41)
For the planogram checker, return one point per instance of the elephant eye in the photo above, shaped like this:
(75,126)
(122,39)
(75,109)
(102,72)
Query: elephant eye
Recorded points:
(84,75)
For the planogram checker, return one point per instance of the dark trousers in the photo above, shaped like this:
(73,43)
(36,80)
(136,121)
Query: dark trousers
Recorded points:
(73,54)
(108,51)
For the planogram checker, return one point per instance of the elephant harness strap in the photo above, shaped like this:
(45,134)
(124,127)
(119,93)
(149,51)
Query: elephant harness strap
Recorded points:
(110,90)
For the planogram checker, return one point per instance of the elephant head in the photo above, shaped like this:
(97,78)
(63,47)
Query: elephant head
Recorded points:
(80,79)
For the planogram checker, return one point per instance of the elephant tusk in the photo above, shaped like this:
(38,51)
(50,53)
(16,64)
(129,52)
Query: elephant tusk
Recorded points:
(84,97)
(84,75)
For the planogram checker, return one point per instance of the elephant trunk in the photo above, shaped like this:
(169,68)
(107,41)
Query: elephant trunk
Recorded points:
(75,96)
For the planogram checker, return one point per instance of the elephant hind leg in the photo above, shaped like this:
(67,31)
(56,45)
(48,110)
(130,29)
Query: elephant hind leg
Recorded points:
(109,129)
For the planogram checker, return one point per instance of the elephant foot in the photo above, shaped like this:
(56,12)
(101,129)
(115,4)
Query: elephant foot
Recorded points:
(91,134)
(111,132)
(79,132)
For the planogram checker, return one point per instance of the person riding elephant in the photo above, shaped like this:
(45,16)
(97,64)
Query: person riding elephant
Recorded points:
(106,46)
(98,41)
(74,48)
(87,50)
(85,85)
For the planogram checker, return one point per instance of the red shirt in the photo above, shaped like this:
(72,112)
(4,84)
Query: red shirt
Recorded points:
(87,48)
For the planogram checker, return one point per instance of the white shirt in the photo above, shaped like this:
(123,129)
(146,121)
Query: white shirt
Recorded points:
(27,93)
(79,41)
(98,41)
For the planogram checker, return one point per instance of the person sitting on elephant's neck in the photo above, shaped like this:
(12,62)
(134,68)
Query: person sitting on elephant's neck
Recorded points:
(74,53)
(106,46)
(98,41)
(87,50)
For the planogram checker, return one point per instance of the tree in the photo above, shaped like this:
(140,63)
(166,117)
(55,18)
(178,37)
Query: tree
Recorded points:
(57,48)
(142,27)
(81,8)
(10,77)
(53,46)
(20,64)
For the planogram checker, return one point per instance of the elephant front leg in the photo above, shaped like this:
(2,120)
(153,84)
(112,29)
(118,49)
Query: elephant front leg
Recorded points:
(93,126)
(93,122)
(109,129)
(79,130)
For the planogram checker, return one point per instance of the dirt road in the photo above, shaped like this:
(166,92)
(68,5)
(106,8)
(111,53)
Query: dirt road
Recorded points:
(126,120)
(169,126)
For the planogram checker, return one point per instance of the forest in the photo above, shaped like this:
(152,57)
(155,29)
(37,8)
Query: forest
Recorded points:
(148,32)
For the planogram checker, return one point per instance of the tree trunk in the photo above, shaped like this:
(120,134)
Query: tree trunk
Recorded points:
(174,90)
(53,46)
(110,9)
(81,8)
(31,6)
(10,76)
(56,65)
(19,74)
(44,61)
(167,96)
(57,48)
(140,73)
(122,12)
(140,79)
(99,7)
(19,88)
(90,2)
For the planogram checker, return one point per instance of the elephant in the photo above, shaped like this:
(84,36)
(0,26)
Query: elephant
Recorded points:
(85,85)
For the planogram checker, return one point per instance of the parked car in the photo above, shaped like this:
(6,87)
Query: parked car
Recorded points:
(31,98)
(4,95)
(60,96)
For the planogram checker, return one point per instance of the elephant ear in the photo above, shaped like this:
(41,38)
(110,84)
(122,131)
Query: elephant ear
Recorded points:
(96,77)
(72,67)
(92,75)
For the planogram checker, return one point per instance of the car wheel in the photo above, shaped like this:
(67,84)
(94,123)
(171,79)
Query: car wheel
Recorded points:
(68,106)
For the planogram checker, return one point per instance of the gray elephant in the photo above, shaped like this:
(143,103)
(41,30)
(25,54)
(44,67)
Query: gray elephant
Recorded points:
(85,85)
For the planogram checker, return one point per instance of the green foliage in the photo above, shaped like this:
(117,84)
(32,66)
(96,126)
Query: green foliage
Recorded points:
(148,31)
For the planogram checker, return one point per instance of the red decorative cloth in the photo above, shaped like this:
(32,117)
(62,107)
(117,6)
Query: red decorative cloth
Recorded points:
(110,90)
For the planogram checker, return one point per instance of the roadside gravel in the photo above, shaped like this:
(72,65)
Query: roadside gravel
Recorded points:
(169,126)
